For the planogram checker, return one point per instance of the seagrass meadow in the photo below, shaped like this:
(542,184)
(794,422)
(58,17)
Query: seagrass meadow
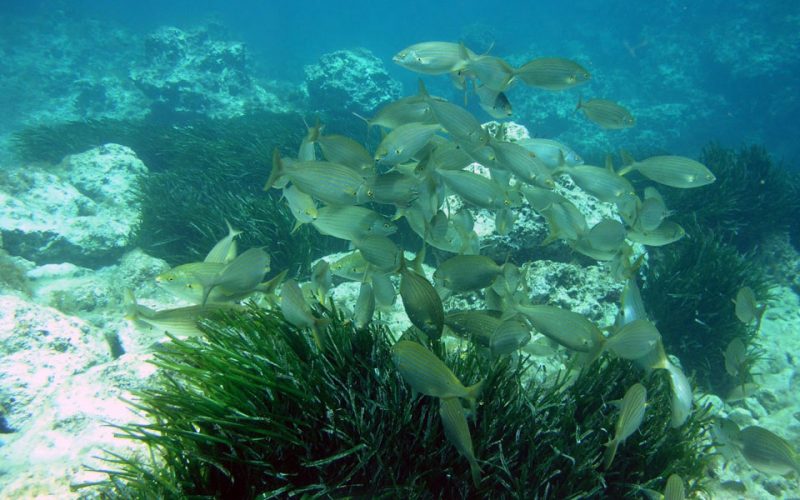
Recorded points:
(254,410)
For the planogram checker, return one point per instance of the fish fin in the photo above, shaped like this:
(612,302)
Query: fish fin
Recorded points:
(610,163)
(129,301)
(423,92)
(416,264)
(475,472)
(277,170)
(580,102)
(318,329)
(611,451)
(474,391)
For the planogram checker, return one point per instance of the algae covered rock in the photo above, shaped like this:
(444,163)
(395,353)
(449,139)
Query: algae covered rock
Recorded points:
(350,80)
(195,73)
(84,212)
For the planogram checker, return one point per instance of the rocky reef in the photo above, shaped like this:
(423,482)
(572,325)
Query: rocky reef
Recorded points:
(194,73)
(349,81)
(83,211)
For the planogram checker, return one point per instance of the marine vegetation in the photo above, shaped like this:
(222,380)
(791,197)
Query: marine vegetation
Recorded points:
(182,216)
(690,288)
(753,197)
(255,410)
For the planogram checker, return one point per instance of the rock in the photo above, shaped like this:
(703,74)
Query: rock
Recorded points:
(40,348)
(193,73)
(350,81)
(84,212)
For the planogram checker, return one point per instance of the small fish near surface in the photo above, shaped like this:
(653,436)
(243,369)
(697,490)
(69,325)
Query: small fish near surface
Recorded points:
(607,114)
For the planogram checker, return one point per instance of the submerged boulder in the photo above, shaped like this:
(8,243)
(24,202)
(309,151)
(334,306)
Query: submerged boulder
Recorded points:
(84,212)
(350,81)
(195,73)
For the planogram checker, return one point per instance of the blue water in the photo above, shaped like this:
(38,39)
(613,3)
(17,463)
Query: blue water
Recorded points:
(692,72)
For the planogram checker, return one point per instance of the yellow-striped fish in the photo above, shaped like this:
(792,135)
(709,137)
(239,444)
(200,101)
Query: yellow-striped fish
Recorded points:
(428,375)
(456,430)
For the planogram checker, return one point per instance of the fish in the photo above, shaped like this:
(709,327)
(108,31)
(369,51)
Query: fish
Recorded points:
(673,171)
(422,304)
(456,430)
(504,220)
(476,325)
(383,288)
(766,451)
(523,164)
(328,182)
(296,311)
(321,280)
(681,402)
(495,103)
(603,241)
(476,189)
(741,391)
(428,375)
(552,73)
(434,58)
(379,251)
(630,417)
(351,267)
(243,274)
(674,490)
(345,151)
(735,357)
(492,71)
(552,153)
(224,250)
(652,211)
(666,233)
(394,188)
(597,181)
(308,151)
(459,123)
(365,306)
(570,329)
(634,340)
(465,273)
(302,205)
(510,335)
(352,222)
(607,114)
(746,306)
(179,321)
(402,143)
(631,304)
(406,110)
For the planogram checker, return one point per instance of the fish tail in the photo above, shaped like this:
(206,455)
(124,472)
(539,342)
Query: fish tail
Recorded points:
(129,301)
(317,331)
(277,170)
(611,451)
(474,391)
(475,471)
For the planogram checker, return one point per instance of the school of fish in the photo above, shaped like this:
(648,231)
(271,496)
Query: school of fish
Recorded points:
(428,147)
